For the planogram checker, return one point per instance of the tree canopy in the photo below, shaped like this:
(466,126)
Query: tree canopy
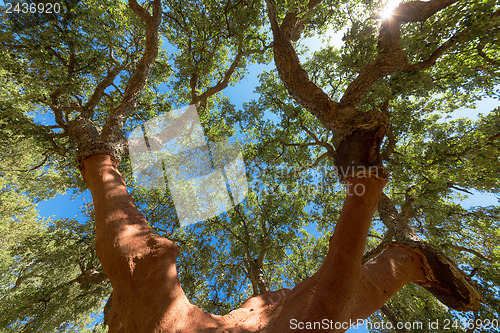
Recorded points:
(76,69)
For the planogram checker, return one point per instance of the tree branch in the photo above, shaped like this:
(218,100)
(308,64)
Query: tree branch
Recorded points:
(54,105)
(293,75)
(390,59)
(221,85)
(395,222)
(137,82)
(465,249)
(99,91)
(438,52)
(389,314)
(391,145)
(419,11)
(21,278)
(375,251)
(391,56)
(329,147)
(141,11)
(480,47)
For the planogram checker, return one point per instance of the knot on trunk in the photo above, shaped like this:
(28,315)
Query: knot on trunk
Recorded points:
(359,150)
(88,137)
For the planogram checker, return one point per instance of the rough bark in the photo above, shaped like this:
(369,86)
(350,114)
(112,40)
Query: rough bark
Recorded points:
(342,118)
(93,139)
(357,145)
(358,134)
(396,222)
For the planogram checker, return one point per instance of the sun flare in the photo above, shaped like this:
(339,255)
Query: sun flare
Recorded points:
(389,8)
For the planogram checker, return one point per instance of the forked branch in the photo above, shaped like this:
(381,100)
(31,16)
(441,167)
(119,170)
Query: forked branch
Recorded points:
(138,80)
(480,50)
(222,84)
(99,91)
(293,75)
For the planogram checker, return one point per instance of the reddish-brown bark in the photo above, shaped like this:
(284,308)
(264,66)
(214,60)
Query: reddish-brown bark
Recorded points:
(147,295)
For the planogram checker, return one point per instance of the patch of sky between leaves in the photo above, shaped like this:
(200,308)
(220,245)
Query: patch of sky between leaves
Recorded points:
(483,107)
(478,198)
(65,206)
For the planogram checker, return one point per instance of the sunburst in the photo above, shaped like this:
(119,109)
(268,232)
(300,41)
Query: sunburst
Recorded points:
(388,9)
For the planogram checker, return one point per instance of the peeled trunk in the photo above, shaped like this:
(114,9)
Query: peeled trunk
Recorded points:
(140,265)
(147,296)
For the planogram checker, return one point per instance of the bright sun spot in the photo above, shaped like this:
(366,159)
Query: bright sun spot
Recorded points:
(389,8)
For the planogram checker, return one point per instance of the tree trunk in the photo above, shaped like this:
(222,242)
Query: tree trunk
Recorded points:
(147,296)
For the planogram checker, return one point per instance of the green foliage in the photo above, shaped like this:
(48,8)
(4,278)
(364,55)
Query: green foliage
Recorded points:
(42,292)
(41,259)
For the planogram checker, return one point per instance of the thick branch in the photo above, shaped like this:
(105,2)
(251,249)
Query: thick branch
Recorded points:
(256,276)
(141,11)
(391,58)
(89,277)
(419,11)
(54,105)
(137,82)
(293,75)
(396,222)
(391,145)
(387,311)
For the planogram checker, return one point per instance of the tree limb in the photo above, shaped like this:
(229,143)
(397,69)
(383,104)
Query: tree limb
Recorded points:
(293,75)
(141,11)
(387,311)
(390,59)
(137,82)
(457,36)
(465,249)
(396,222)
(391,145)
(20,279)
(221,85)
(99,91)
(419,11)
(54,105)
(480,47)
(379,248)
